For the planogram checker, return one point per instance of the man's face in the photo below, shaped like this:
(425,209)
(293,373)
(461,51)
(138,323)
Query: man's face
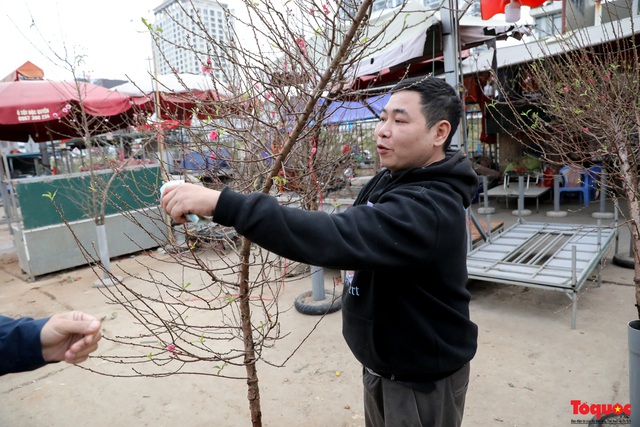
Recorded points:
(402,137)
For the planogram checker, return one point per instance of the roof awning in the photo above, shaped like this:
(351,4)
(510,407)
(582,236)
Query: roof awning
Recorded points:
(27,71)
(408,40)
(395,37)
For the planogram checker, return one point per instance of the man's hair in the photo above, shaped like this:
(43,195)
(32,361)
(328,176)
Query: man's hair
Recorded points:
(438,99)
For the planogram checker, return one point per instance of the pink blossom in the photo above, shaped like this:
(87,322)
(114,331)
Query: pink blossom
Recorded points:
(213,135)
(172,349)
(565,89)
(311,11)
(325,8)
(586,129)
(302,46)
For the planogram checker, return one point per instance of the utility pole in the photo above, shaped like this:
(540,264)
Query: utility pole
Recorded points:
(451,53)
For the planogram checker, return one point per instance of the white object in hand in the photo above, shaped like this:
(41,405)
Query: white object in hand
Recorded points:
(196,219)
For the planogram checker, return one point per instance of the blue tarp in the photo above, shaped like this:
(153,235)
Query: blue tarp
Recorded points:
(355,111)
(200,162)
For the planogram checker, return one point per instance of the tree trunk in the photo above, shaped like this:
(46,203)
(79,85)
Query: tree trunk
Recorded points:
(630,185)
(244,293)
(635,235)
(253,392)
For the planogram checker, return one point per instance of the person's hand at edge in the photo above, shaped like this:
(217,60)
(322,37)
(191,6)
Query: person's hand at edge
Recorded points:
(70,336)
(180,200)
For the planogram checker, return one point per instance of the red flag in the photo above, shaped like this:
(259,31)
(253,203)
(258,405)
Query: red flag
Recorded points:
(489,8)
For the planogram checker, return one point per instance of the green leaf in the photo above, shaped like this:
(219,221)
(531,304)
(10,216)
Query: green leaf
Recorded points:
(220,368)
(279,180)
(50,196)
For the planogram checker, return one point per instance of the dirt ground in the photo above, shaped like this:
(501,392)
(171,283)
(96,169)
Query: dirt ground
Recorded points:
(530,365)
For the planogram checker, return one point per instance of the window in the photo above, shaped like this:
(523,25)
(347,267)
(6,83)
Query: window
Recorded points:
(378,5)
(432,4)
(549,25)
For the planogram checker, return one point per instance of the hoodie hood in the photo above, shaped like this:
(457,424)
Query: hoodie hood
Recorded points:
(455,170)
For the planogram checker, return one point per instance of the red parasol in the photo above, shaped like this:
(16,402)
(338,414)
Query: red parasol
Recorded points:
(181,106)
(179,95)
(49,110)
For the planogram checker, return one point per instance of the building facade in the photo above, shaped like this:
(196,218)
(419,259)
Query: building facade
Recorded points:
(191,32)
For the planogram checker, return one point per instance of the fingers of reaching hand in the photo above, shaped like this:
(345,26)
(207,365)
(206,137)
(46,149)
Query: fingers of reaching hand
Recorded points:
(81,330)
(81,349)
(171,205)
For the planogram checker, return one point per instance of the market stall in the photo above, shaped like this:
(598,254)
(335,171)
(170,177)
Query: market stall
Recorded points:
(53,220)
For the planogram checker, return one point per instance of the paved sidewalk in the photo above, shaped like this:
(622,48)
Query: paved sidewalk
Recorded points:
(530,365)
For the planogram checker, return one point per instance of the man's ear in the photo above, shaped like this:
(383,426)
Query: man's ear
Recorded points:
(442,130)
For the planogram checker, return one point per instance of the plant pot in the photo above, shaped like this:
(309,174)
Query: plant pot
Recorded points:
(634,371)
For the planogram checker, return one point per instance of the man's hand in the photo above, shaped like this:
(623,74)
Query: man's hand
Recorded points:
(180,200)
(70,336)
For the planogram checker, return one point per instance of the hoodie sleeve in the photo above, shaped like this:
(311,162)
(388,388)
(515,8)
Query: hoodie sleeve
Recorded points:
(364,237)
(20,346)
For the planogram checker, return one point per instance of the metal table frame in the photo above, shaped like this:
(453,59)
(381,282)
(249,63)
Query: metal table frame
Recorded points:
(507,192)
(558,257)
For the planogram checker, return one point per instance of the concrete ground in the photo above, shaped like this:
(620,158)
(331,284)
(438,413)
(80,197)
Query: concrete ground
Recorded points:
(529,368)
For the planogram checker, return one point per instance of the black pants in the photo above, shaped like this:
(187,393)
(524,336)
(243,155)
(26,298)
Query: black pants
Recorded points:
(391,404)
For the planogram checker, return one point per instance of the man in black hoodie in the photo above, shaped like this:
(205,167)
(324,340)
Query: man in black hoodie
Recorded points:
(406,309)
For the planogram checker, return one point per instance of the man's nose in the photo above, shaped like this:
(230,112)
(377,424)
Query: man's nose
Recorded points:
(383,131)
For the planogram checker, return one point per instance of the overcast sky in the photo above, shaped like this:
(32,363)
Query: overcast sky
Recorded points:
(110,34)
